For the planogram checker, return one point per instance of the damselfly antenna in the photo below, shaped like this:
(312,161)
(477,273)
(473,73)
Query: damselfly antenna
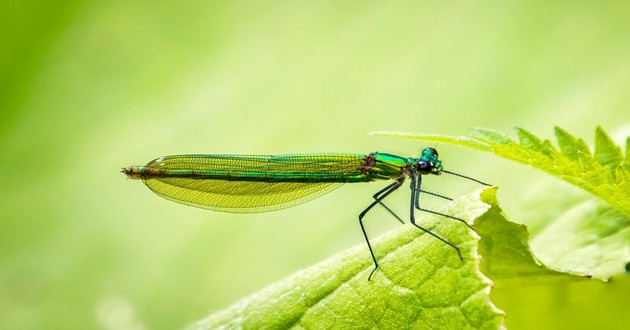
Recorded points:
(466,177)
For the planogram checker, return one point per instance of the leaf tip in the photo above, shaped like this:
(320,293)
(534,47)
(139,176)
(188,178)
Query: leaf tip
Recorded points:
(488,195)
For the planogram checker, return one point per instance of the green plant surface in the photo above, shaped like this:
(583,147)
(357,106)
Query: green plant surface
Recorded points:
(505,247)
(421,283)
(591,237)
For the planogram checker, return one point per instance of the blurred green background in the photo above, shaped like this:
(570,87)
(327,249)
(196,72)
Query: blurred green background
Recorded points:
(89,87)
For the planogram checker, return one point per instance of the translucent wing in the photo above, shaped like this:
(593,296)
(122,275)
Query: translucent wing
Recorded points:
(242,184)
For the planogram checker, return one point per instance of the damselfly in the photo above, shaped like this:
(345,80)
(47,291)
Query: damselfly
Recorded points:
(261,183)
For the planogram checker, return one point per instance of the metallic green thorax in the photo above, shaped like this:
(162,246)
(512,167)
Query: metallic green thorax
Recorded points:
(386,166)
(258,183)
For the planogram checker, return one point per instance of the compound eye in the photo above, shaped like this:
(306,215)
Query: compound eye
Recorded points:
(423,167)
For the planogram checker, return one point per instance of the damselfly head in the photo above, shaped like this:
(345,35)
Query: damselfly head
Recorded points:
(429,163)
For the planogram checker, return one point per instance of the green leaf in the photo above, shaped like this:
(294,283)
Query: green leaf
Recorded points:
(570,146)
(462,141)
(532,142)
(590,238)
(607,153)
(492,137)
(507,256)
(421,283)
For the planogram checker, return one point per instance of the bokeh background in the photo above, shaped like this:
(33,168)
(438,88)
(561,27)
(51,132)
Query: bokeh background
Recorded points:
(87,87)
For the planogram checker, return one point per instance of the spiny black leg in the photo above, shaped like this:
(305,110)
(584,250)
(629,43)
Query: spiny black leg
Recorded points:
(378,197)
(415,190)
(416,193)
(433,194)
(448,216)
(414,201)
(381,194)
